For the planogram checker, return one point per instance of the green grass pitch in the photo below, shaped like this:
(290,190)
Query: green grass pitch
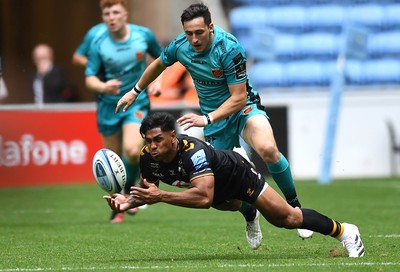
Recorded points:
(65,228)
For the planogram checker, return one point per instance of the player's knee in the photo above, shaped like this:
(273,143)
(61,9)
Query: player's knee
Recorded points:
(292,220)
(269,152)
(132,154)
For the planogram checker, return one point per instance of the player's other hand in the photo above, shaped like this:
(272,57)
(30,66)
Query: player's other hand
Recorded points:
(126,100)
(191,120)
(112,87)
(117,202)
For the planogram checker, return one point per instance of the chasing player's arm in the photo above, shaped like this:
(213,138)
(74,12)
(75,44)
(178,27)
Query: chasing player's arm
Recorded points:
(94,84)
(234,103)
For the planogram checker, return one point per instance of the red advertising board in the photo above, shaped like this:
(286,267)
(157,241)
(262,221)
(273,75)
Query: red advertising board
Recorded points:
(39,147)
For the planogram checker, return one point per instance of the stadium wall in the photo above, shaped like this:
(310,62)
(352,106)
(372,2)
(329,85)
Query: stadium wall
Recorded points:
(362,145)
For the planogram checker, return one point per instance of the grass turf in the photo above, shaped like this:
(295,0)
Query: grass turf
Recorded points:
(65,228)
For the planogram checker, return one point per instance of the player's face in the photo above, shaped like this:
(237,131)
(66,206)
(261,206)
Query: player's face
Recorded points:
(115,17)
(199,35)
(161,145)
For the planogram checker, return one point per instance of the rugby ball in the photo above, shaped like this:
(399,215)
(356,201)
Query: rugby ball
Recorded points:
(109,171)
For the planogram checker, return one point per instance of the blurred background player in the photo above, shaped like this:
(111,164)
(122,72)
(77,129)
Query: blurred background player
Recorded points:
(231,109)
(49,83)
(121,51)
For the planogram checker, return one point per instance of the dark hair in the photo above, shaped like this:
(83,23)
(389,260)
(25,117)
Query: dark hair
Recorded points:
(158,119)
(195,11)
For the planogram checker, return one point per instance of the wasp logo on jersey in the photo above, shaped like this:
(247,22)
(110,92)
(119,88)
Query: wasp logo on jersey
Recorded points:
(187,146)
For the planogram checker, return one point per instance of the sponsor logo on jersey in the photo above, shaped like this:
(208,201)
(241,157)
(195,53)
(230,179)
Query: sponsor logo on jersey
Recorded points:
(217,72)
(139,114)
(198,61)
(249,192)
(240,71)
(139,55)
(238,58)
(246,110)
(199,160)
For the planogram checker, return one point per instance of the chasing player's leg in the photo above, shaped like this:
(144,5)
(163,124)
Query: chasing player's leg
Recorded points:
(132,145)
(258,134)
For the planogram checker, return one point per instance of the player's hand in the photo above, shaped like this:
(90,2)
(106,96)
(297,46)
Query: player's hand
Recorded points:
(191,120)
(126,100)
(149,195)
(117,202)
(112,87)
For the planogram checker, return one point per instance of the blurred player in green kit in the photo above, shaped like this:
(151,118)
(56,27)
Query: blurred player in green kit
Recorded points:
(119,56)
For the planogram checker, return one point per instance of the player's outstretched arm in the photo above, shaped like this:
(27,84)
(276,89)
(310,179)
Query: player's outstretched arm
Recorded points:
(126,101)
(199,196)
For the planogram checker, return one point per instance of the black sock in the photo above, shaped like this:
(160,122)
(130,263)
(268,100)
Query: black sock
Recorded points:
(294,202)
(248,211)
(313,220)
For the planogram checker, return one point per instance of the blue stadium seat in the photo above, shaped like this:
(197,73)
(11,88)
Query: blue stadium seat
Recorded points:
(383,71)
(368,15)
(267,74)
(243,19)
(392,16)
(319,45)
(384,44)
(268,44)
(262,46)
(326,17)
(287,18)
(373,72)
(286,46)
(310,73)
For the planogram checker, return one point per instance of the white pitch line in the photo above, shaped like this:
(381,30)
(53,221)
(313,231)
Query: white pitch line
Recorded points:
(168,267)
(385,236)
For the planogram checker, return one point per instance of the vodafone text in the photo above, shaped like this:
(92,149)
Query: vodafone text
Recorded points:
(30,151)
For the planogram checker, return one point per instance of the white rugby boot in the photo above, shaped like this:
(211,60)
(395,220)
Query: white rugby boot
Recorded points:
(351,240)
(253,232)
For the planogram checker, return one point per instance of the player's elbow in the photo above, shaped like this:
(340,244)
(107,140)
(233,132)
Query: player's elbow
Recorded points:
(239,101)
(205,203)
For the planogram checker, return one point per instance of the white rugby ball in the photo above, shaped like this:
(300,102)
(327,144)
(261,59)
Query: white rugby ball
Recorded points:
(109,171)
